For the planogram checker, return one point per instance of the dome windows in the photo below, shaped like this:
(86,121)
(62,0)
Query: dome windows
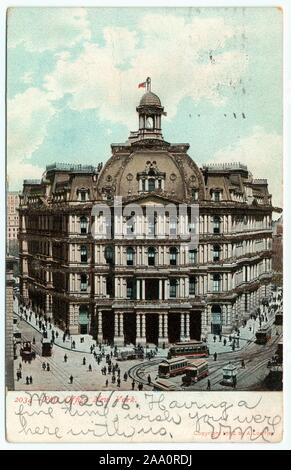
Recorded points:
(151,179)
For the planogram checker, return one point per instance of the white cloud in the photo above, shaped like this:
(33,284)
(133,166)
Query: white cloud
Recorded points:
(175,53)
(262,152)
(40,29)
(28,115)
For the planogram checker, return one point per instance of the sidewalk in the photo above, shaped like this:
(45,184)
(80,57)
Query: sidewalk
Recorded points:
(246,335)
(84,343)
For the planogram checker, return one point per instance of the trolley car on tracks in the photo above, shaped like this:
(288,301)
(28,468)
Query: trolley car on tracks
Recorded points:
(192,348)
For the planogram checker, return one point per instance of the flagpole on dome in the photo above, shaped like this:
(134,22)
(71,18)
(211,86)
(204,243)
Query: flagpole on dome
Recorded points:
(149,82)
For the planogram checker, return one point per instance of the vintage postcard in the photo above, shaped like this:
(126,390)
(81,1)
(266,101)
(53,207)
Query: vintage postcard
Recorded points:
(144,277)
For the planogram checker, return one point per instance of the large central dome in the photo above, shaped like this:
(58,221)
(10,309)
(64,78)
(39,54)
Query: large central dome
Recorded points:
(150,99)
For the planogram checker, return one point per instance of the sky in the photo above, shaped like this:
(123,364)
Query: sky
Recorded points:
(73,75)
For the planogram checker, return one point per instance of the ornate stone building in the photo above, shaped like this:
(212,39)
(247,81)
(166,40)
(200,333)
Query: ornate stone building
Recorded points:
(140,282)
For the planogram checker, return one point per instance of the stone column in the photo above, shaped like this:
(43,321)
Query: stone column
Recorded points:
(162,336)
(143,328)
(138,336)
(182,327)
(166,327)
(143,289)
(99,331)
(138,289)
(166,286)
(187,327)
(204,323)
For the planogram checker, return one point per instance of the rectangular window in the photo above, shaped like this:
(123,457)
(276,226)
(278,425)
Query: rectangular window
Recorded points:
(192,256)
(173,226)
(192,286)
(173,288)
(216,284)
(84,255)
(129,290)
(84,283)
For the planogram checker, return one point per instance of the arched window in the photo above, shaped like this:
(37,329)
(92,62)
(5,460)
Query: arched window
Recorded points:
(216,283)
(83,283)
(129,256)
(151,256)
(216,252)
(152,184)
(216,224)
(149,123)
(109,255)
(173,288)
(84,254)
(173,255)
(83,224)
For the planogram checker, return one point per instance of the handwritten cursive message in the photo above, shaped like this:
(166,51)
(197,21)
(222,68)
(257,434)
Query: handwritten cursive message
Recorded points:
(144,417)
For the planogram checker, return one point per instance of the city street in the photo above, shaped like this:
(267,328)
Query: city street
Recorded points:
(79,364)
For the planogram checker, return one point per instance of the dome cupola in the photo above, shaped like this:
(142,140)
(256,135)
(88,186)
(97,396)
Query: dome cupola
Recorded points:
(150,111)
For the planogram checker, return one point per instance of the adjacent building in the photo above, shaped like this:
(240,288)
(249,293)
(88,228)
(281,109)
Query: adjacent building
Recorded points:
(12,222)
(134,277)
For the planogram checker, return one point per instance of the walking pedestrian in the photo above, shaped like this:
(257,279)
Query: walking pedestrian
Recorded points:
(27,380)
(118,382)
(125,377)
(71,379)
(43,366)
(220,338)
(149,379)
(65,358)
(106,383)
(33,340)
(48,368)
(30,380)
(215,356)
(214,338)
(243,364)
(132,385)
(90,368)
(224,342)
(20,366)
(208,385)
(84,361)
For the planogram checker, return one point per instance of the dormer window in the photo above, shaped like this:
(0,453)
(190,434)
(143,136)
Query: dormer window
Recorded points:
(83,194)
(216,195)
(152,184)
(151,178)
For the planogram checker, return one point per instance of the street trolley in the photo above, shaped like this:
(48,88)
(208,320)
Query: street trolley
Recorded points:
(263,335)
(164,385)
(46,347)
(229,373)
(129,353)
(193,348)
(278,318)
(26,351)
(172,367)
(197,370)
